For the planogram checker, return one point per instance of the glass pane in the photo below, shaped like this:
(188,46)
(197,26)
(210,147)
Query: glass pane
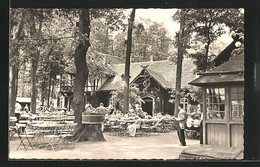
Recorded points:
(237,108)
(208,101)
(222,107)
(214,91)
(214,99)
(215,103)
(215,107)
(222,91)
(217,91)
(222,99)
(218,99)
(209,107)
(209,92)
(222,115)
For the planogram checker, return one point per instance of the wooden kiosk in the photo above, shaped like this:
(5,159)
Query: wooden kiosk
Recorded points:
(223,103)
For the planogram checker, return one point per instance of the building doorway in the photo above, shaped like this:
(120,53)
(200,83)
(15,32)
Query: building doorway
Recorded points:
(147,106)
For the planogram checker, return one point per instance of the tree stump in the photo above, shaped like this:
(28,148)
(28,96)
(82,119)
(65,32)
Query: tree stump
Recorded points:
(87,132)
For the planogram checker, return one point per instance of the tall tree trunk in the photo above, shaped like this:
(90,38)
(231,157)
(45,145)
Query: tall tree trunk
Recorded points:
(12,89)
(34,61)
(81,65)
(83,132)
(179,64)
(14,64)
(49,91)
(127,62)
(207,46)
(43,91)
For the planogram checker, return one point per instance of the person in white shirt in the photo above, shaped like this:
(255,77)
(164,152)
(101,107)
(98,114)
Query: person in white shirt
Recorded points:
(182,116)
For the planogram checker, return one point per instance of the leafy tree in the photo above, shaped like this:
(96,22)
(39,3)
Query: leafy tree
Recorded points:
(119,45)
(205,26)
(149,39)
(33,45)
(134,97)
(101,38)
(82,41)
(17,21)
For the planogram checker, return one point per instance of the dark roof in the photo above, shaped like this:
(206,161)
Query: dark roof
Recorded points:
(164,72)
(224,55)
(230,71)
(235,63)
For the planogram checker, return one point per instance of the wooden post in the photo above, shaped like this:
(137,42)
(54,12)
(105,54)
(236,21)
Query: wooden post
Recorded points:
(127,62)
(204,110)
(227,114)
(179,65)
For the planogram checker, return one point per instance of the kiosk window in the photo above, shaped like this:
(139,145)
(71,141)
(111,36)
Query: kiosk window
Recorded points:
(215,103)
(237,102)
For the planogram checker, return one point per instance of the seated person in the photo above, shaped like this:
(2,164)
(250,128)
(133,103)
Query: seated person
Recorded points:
(146,116)
(101,109)
(189,122)
(131,129)
(88,109)
(126,115)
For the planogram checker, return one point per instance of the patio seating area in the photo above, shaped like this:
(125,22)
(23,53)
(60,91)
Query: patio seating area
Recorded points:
(42,132)
(138,127)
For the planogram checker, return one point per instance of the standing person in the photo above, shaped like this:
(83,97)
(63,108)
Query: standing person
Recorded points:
(26,108)
(102,110)
(182,115)
(110,108)
(18,109)
(201,128)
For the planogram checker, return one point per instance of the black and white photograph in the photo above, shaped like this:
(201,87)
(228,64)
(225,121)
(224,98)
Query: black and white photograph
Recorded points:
(126,83)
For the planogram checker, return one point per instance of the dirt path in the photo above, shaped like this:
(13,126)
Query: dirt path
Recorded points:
(163,146)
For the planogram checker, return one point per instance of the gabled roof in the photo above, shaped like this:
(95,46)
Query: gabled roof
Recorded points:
(230,71)
(225,54)
(164,72)
(160,79)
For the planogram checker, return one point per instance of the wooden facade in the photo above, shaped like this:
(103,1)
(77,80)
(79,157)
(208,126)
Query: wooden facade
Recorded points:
(223,126)
(223,104)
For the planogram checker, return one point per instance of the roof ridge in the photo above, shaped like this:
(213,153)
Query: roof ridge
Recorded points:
(150,62)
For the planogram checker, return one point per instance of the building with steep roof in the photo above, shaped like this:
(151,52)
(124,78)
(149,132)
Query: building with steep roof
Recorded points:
(155,80)
(223,102)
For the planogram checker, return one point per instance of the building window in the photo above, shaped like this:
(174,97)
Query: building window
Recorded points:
(184,103)
(215,103)
(237,102)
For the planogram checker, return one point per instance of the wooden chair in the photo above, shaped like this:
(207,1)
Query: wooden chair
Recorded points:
(53,140)
(26,138)
(64,142)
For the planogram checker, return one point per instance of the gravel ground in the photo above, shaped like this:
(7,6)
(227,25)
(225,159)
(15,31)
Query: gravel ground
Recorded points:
(162,146)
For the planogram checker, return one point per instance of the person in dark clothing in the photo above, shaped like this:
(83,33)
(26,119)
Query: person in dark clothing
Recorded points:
(182,116)
(201,129)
